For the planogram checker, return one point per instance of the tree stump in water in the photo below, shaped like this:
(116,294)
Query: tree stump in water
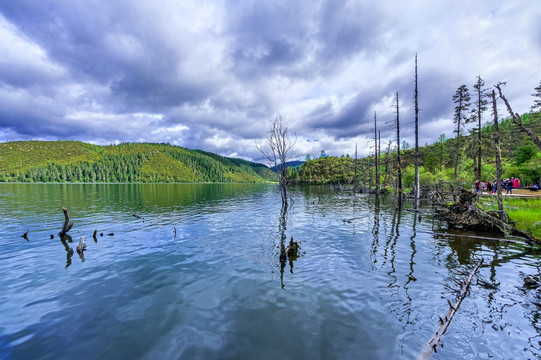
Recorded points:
(67,224)
(464,214)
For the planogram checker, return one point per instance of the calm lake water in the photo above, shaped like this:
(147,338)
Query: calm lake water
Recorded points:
(372,288)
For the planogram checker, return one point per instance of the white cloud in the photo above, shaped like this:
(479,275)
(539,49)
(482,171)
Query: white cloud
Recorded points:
(213,74)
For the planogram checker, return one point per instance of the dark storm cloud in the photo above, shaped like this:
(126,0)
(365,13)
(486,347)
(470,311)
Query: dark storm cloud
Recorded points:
(110,42)
(299,39)
(213,74)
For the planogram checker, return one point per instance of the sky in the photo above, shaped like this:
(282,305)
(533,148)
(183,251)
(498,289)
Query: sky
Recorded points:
(213,75)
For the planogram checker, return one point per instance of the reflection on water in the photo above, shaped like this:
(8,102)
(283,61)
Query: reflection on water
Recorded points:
(198,278)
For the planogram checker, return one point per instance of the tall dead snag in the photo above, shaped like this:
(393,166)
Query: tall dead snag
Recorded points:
(498,157)
(516,117)
(426,353)
(398,187)
(389,177)
(398,160)
(67,224)
(279,144)
(355,180)
(376,151)
(378,169)
(416,184)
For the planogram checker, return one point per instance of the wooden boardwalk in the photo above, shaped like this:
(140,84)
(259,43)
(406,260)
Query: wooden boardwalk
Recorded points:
(525,193)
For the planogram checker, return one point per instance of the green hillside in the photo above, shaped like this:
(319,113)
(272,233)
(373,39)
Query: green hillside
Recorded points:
(74,161)
(520,158)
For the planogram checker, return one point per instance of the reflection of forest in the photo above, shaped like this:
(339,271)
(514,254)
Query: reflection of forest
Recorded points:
(118,197)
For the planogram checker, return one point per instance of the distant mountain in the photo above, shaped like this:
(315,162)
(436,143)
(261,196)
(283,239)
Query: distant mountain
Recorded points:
(291,164)
(74,161)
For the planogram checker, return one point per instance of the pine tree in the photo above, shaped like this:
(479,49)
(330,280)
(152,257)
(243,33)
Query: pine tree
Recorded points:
(536,107)
(480,107)
(462,100)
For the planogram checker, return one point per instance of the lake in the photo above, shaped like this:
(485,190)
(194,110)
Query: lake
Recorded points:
(199,277)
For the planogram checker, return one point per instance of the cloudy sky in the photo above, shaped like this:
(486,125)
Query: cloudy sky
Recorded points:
(213,74)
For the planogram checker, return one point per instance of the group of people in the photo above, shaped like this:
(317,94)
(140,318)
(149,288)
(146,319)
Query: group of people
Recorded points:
(492,187)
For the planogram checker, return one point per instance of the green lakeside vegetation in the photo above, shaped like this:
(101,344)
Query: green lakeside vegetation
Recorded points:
(526,212)
(74,161)
(520,158)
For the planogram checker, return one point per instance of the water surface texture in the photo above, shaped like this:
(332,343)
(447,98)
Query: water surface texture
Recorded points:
(199,277)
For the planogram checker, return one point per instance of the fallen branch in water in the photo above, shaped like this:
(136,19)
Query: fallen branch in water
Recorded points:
(426,353)
(350,220)
(138,217)
(67,224)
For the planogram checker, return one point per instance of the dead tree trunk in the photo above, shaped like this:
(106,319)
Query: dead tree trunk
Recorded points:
(399,165)
(378,169)
(516,118)
(389,177)
(416,185)
(464,214)
(67,224)
(498,158)
(376,154)
(426,353)
(355,180)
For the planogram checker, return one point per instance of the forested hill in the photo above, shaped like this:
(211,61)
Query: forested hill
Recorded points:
(74,161)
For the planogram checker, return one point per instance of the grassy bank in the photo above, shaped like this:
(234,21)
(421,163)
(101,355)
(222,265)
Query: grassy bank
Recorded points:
(525,211)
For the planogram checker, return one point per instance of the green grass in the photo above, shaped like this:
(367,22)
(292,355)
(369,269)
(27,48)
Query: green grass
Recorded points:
(525,211)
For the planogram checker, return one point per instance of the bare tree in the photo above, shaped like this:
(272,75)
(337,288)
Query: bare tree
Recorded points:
(498,157)
(389,169)
(396,125)
(416,185)
(355,179)
(537,95)
(376,152)
(516,117)
(278,145)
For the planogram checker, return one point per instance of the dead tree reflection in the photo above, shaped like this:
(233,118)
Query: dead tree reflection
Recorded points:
(407,306)
(390,246)
(375,235)
(69,250)
(289,253)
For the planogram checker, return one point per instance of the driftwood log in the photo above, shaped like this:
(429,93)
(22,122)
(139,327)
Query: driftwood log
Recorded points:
(464,214)
(67,224)
(429,348)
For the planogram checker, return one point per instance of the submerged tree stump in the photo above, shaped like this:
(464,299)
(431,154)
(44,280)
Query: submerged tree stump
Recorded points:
(464,214)
(67,224)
